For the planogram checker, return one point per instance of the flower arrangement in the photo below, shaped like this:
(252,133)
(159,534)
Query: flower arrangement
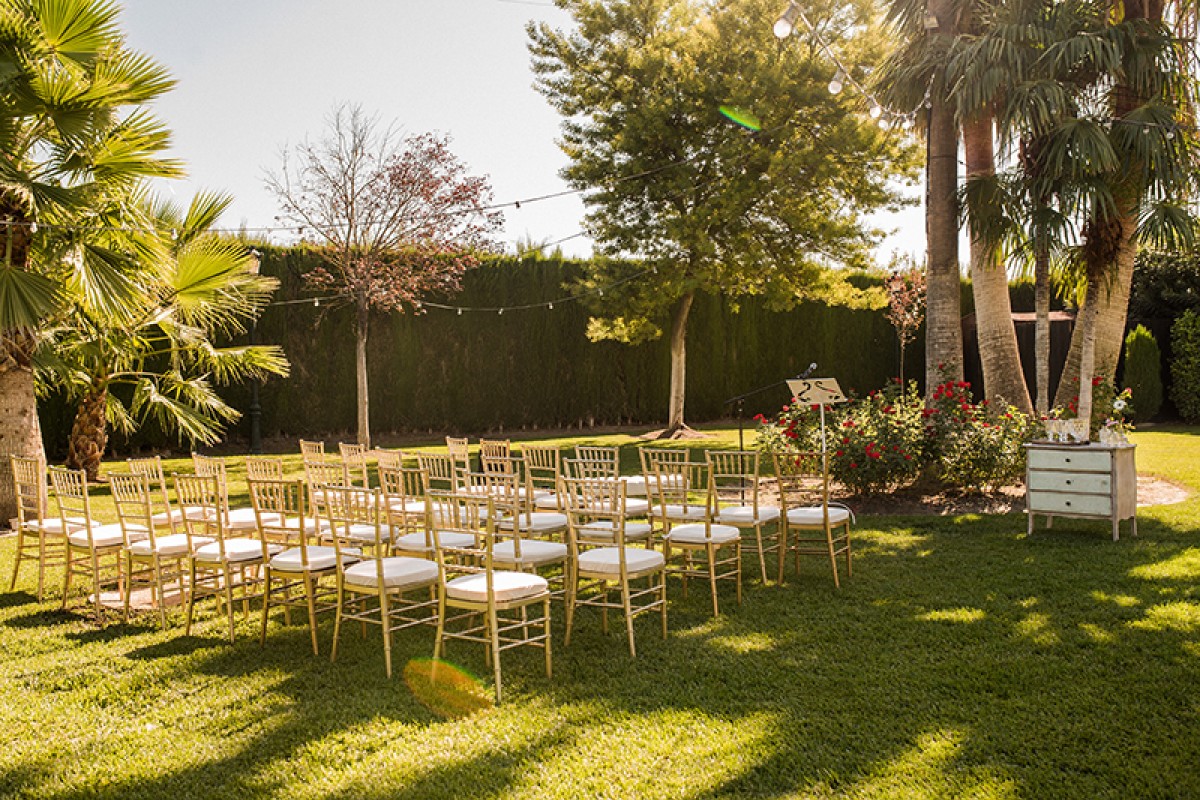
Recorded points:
(1116,428)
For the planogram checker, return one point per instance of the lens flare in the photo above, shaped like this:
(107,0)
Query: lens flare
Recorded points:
(742,117)
(445,689)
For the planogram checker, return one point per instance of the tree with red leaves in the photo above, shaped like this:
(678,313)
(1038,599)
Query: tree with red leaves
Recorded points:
(396,217)
(906,305)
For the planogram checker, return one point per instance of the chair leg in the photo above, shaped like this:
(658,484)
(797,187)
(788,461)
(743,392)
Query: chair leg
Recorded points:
(159,591)
(738,573)
(310,589)
(337,619)
(96,589)
(628,616)
(572,594)
(711,552)
(494,646)
(12,584)
(781,554)
(129,590)
(67,565)
(191,599)
(266,609)
(762,559)
(663,600)
(849,569)
(229,599)
(385,619)
(837,584)
(438,642)
(546,627)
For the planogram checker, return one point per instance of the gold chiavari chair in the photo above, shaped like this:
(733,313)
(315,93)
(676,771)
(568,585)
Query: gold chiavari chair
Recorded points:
(460,453)
(735,478)
(239,520)
(689,527)
(597,506)
(314,451)
(91,547)
(285,521)
(375,588)
(228,563)
(354,462)
(165,514)
(810,523)
(543,467)
(264,468)
(40,537)
(151,560)
(479,602)
(440,472)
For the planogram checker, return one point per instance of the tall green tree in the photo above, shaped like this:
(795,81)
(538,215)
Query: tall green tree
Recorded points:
(76,141)
(164,355)
(708,204)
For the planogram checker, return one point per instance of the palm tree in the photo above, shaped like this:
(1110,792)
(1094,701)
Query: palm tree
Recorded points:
(913,79)
(75,143)
(198,288)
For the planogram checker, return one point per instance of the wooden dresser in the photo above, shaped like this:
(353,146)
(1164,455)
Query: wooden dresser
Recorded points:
(1092,481)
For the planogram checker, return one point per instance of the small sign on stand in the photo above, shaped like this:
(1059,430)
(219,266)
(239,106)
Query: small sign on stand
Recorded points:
(820,392)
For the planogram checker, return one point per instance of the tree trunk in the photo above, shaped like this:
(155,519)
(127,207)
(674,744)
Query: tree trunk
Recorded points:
(1041,303)
(675,422)
(20,433)
(943,312)
(89,433)
(361,321)
(1087,350)
(1003,380)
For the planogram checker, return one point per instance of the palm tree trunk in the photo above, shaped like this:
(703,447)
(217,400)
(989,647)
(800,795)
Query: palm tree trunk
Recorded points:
(675,422)
(20,433)
(361,321)
(1087,352)
(89,433)
(1041,304)
(943,309)
(1003,380)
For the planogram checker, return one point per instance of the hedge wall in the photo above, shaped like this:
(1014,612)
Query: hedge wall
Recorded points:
(536,368)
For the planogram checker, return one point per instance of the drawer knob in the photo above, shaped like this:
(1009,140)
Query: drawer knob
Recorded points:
(1068,483)
(1068,502)
(1067,460)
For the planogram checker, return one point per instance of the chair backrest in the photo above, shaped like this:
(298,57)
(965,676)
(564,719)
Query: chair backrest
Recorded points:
(264,468)
(587,468)
(402,492)
(283,513)
(74,505)
(29,489)
(677,483)
(313,450)
(650,456)
(151,467)
(386,459)
(354,461)
(208,510)
(348,511)
(735,475)
(588,501)
(543,466)
(803,481)
(440,472)
(133,496)
(460,451)
(495,448)
(324,473)
(475,515)
(600,454)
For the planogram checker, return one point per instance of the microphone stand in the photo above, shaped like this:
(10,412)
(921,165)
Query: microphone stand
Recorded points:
(740,403)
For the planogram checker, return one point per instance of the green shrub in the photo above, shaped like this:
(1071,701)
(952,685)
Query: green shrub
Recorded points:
(1185,366)
(971,446)
(1143,373)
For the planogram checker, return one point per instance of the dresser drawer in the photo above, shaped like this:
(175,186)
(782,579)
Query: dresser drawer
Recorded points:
(1060,503)
(1086,482)
(1070,459)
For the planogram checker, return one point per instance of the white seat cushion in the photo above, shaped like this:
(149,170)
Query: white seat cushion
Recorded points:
(537,522)
(311,526)
(399,572)
(607,560)
(362,532)
(243,519)
(533,552)
(635,486)
(744,515)
(507,586)
(546,502)
(686,512)
(54,525)
(235,550)
(401,506)
(319,558)
(694,533)
(174,545)
(104,536)
(636,506)
(602,530)
(812,516)
(415,542)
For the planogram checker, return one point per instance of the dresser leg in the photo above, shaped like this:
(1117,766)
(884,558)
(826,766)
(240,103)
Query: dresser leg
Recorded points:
(1029,524)
(1116,529)
(1049,521)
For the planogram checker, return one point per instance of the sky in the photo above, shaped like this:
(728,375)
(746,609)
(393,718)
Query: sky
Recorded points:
(257,75)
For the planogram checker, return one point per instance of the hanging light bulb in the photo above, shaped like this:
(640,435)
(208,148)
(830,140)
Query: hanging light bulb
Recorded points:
(838,82)
(460,312)
(551,306)
(33,227)
(501,313)
(316,302)
(876,110)
(786,24)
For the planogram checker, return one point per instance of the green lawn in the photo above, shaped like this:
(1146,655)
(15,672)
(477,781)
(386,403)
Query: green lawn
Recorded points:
(963,659)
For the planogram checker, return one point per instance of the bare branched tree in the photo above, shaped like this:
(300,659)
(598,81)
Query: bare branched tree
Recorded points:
(397,217)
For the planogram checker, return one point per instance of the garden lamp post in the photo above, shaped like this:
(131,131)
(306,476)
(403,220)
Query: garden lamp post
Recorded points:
(255,410)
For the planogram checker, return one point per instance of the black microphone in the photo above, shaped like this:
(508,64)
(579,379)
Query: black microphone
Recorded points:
(811,369)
